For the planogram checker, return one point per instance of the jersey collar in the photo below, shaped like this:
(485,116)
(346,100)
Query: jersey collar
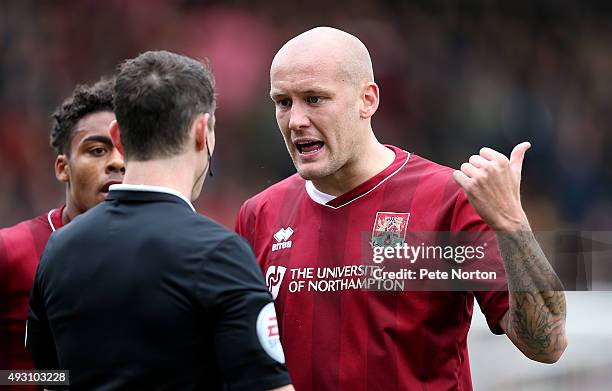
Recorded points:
(54,218)
(149,188)
(401,159)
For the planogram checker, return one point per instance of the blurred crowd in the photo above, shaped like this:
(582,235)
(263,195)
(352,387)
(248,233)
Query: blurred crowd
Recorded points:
(454,76)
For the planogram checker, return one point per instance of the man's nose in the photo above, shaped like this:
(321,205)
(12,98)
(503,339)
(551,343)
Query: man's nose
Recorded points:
(115,162)
(298,117)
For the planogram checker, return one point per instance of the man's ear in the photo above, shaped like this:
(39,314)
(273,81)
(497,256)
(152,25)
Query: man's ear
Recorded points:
(62,168)
(370,99)
(201,128)
(116,137)
(210,132)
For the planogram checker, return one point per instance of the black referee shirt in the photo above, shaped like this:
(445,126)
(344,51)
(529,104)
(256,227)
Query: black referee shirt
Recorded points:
(142,293)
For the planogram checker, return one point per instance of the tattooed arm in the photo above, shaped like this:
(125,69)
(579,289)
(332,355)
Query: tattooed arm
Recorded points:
(535,322)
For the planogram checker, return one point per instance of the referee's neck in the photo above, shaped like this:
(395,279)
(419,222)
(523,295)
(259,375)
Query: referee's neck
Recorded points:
(176,173)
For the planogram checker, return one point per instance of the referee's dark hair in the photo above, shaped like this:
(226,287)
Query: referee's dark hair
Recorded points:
(85,99)
(157,96)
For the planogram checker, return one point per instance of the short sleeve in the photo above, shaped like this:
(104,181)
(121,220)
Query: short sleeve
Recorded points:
(248,347)
(492,295)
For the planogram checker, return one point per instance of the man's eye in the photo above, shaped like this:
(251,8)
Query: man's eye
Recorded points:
(314,100)
(283,102)
(99,151)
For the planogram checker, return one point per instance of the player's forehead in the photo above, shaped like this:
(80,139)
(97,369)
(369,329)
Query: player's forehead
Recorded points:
(96,123)
(305,86)
(99,120)
(303,77)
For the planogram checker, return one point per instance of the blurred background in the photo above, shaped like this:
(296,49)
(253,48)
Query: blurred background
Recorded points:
(454,76)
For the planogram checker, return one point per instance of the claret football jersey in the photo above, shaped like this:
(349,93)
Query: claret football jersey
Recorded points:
(345,326)
(20,248)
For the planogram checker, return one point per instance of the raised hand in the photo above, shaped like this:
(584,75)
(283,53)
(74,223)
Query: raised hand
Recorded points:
(492,183)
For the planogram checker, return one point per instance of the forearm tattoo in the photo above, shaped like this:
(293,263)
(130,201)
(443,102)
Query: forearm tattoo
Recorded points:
(536,321)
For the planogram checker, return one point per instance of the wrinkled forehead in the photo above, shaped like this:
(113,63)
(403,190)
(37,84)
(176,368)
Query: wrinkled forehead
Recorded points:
(305,79)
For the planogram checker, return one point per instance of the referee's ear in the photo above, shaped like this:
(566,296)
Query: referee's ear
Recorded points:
(200,127)
(116,137)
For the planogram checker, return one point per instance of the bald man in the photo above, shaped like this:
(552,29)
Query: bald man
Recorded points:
(320,236)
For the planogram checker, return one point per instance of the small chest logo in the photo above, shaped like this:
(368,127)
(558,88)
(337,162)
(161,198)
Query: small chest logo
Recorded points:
(389,229)
(282,239)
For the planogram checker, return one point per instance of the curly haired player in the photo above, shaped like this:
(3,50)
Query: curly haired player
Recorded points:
(88,163)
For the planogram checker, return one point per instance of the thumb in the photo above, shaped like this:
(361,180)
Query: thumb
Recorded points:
(517,156)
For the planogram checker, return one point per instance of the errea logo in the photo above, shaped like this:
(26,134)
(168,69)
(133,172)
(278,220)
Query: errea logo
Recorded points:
(281,238)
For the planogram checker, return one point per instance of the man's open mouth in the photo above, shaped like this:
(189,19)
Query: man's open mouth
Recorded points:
(104,188)
(309,147)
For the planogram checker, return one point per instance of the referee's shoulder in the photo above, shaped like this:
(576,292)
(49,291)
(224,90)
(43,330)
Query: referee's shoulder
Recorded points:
(81,225)
(211,233)
(291,188)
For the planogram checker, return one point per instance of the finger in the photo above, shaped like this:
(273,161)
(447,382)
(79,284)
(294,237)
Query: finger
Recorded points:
(469,170)
(478,161)
(517,156)
(491,154)
(461,179)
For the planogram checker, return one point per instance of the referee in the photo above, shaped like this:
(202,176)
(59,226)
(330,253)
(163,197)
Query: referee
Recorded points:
(141,292)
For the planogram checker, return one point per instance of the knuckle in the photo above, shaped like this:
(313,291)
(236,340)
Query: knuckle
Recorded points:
(471,186)
(502,163)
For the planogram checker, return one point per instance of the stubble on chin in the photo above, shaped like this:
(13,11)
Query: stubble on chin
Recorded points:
(312,174)
(306,175)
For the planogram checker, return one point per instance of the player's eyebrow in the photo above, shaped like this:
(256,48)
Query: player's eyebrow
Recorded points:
(97,138)
(275,93)
(317,91)
(313,90)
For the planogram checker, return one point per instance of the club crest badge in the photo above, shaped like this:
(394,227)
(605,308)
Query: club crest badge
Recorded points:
(389,229)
